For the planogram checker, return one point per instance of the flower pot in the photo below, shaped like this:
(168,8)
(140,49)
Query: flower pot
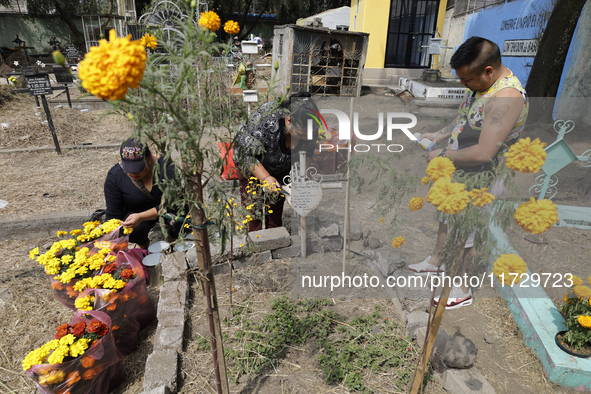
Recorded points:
(565,349)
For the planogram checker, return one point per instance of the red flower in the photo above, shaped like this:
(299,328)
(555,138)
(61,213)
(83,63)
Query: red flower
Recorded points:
(96,326)
(109,268)
(127,274)
(62,331)
(79,328)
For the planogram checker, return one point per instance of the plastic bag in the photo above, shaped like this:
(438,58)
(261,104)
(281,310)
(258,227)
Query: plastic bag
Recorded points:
(98,371)
(130,308)
(65,292)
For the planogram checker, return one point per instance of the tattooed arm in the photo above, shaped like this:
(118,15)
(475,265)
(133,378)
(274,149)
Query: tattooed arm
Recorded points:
(444,133)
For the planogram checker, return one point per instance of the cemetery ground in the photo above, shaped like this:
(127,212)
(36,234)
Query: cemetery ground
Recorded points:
(42,182)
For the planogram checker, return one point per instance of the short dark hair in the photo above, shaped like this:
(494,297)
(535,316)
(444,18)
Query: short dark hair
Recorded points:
(477,53)
(300,107)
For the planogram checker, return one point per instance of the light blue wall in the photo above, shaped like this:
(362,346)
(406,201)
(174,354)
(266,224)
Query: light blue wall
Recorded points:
(519,19)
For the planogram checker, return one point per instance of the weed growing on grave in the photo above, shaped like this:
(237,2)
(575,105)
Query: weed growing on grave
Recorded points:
(368,343)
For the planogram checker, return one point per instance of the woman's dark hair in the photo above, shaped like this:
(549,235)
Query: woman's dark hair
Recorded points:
(300,108)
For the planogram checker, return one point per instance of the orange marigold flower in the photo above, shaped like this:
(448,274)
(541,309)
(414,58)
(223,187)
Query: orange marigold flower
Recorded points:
(111,306)
(79,328)
(57,286)
(526,155)
(73,377)
(210,20)
(91,373)
(582,291)
(398,242)
(584,320)
(481,197)
(87,361)
(62,331)
(127,274)
(536,216)
(109,268)
(440,167)
(98,327)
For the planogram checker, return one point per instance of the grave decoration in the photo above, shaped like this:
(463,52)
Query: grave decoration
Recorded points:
(119,290)
(577,314)
(80,256)
(81,358)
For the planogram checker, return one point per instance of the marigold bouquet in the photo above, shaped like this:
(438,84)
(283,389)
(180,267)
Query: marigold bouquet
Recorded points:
(82,357)
(577,314)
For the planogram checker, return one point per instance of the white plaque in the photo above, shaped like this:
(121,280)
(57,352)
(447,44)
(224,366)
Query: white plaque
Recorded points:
(305,196)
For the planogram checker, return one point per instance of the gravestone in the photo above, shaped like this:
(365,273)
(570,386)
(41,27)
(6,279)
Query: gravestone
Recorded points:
(62,75)
(305,196)
(72,52)
(29,70)
(39,85)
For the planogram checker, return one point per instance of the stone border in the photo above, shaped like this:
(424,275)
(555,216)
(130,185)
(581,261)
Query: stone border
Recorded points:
(539,320)
(42,225)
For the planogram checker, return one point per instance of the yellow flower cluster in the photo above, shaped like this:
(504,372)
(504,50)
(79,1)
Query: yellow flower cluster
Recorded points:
(63,347)
(85,303)
(231,27)
(582,291)
(398,242)
(576,280)
(60,233)
(526,155)
(509,264)
(440,167)
(210,20)
(110,69)
(584,321)
(149,41)
(481,197)
(81,264)
(425,180)
(536,216)
(52,377)
(104,281)
(448,197)
(416,203)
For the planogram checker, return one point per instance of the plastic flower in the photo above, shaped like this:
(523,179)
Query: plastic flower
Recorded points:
(110,69)
(582,291)
(481,197)
(526,155)
(584,320)
(448,197)
(440,167)
(231,27)
(398,242)
(416,203)
(425,180)
(509,265)
(149,41)
(536,216)
(210,20)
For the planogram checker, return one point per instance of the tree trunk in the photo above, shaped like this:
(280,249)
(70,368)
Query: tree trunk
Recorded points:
(544,78)
(77,36)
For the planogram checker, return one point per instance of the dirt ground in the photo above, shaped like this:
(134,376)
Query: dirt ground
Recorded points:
(43,182)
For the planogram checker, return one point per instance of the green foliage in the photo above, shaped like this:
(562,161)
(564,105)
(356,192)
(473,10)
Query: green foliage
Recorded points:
(577,335)
(368,343)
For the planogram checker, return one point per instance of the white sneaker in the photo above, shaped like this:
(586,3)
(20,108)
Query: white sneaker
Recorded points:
(457,298)
(425,268)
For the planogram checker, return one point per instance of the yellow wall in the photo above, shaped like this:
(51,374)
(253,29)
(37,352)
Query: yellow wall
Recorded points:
(372,16)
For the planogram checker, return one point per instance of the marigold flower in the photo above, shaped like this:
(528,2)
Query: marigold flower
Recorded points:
(72,378)
(481,197)
(448,197)
(149,41)
(53,377)
(210,20)
(509,265)
(398,242)
(87,361)
(98,327)
(416,203)
(440,167)
(589,280)
(79,347)
(576,280)
(33,253)
(109,268)
(62,331)
(536,216)
(425,180)
(91,373)
(584,321)
(76,232)
(110,69)
(127,274)
(526,155)
(79,328)
(60,233)
(582,291)
(231,27)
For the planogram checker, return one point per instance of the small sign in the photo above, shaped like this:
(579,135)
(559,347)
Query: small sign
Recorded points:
(39,85)
(29,70)
(72,52)
(62,75)
(305,196)
(434,46)
(520,47)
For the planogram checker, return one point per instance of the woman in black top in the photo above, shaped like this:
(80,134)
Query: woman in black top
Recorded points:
(130,192)
(264,147)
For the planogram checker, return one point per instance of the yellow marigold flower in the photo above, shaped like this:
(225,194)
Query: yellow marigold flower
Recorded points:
(60,233)
(52,377)
(382,220)
(33,253)
(448,197)
(425,180)
(440,167)
(536,216)
(79,347)
(526,155)
(58,355)
(584,320)
(149,41)
(455,203)
(112,67)
(241,245)
(509,265)
(481,197)
(210,20)
(398,242)
(582,291)
(127,231)
(416,203)
(231,27)
(589,280)
(76,232)
(85,303)
(270,211)
(576,280)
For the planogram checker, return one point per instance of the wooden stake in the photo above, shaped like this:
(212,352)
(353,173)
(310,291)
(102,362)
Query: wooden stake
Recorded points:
(347,234)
